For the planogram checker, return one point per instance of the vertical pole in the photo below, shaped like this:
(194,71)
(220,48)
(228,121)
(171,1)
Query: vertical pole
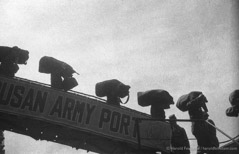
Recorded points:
(2,151)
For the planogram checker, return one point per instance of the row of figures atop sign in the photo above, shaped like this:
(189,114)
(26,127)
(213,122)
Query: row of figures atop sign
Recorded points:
(62,78)
(159,100)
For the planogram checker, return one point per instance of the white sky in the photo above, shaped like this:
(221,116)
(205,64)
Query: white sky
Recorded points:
(176,45)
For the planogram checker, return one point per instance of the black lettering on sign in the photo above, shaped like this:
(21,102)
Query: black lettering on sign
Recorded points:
(124,125)
(14,96)
(68,108)
(28,102)
(0,84)
(78,110)
(135,127)
(115,122)
(104,117)
(18,93)
(57,108)
(3,90)
(90,110)
(40,101)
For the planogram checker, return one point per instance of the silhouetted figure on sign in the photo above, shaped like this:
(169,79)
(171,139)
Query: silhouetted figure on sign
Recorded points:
(195,103)
(158,99)
(179,138)
(10,58)
(114,90)
(205,135)
(61,73)
(233,111)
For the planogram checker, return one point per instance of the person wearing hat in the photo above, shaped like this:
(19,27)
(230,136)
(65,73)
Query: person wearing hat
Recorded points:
(179,138)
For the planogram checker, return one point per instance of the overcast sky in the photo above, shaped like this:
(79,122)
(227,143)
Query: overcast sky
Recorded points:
(176,45)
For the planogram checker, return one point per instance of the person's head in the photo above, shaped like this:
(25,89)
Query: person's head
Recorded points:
(172,117)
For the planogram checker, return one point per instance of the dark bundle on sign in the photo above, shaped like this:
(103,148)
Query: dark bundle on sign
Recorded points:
(113,89)
(10,58)
(158,99)
(51,65)
(58,70)
(192,100)
(233,111)
(155,97)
